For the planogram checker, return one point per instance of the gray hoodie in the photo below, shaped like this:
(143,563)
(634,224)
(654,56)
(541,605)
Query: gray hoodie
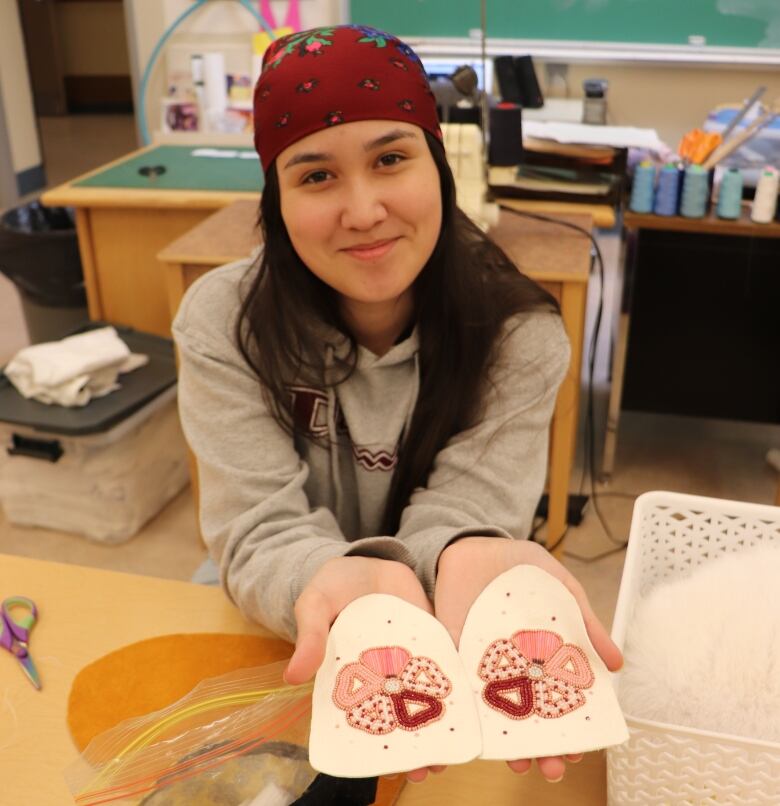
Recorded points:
(274,508)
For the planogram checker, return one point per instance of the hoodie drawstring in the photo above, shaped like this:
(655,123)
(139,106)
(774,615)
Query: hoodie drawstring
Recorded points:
(333,443)
(412,398)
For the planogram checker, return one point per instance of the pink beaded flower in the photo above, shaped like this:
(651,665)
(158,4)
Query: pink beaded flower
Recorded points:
(534,673)
(389,688)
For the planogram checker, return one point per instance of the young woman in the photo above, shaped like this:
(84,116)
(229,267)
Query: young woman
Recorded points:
(369,398)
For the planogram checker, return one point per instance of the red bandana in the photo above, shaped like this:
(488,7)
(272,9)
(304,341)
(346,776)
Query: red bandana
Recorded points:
(326,76)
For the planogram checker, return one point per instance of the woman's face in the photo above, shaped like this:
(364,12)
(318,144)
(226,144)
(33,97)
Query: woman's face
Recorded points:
(362,206)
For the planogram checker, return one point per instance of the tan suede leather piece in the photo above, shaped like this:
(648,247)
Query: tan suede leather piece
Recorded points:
(152,674)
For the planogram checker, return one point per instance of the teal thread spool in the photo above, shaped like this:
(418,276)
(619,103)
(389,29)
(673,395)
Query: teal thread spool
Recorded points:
(695,192)
(668,194)
(730,198)
(643,189)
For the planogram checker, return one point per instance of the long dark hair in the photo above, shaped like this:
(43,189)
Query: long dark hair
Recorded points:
(462,297)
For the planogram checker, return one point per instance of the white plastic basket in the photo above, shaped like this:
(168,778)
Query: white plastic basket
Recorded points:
(663,763)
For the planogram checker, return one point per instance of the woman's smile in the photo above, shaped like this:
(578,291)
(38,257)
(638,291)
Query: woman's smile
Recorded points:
(372,251)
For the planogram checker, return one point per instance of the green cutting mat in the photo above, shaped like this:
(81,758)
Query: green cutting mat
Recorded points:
(183,171)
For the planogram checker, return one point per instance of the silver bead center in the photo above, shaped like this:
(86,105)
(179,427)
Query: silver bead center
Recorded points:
(392,685)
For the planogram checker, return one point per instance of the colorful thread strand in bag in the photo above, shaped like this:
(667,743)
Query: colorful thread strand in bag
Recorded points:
(222,719)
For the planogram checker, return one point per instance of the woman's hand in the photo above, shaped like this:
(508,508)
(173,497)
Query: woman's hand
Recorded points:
(469,565)
(339,582)
(330,590)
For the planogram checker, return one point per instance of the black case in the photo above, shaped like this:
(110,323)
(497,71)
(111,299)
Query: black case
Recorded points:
(517,81)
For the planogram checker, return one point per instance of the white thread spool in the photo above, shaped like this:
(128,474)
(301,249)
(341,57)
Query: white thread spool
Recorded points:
(765,201)
(196,68)
(215,88)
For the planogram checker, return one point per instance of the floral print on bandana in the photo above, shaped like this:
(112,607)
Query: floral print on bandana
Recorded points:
(334,118)
(368,84)
(336,74)
(372,35)
(388,688)
(534,672)
(307,43)
(409,53)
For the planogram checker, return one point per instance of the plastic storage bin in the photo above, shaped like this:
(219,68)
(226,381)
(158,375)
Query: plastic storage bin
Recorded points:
(669,764)
(102,470)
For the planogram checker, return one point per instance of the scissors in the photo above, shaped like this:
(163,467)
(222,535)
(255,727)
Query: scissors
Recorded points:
(18,615)
(697,145)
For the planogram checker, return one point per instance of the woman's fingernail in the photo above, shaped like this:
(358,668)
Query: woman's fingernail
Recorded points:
(554,780)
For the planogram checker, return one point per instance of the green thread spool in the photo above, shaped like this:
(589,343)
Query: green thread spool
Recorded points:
(730,197)
(695,192)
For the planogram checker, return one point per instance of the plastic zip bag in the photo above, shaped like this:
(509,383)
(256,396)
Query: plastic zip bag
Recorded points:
(238,739)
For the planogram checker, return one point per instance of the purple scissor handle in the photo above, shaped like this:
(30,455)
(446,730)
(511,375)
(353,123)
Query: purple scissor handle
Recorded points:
(18,615)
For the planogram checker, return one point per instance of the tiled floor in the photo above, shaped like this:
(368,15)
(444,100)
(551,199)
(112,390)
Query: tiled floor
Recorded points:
(706,457)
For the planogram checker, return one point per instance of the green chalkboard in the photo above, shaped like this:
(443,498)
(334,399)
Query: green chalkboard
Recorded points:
(734,23)
(184,171)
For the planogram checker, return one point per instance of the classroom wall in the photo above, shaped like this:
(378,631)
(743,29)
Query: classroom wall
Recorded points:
(16,96)
(671,99)
(92,38)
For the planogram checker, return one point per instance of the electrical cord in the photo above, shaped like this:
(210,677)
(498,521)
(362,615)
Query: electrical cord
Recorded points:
(589,464)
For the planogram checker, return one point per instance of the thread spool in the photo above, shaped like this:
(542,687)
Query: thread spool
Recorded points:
(643,189)
(215,88)
(765,201)
(667,196)
(695,192)
(730,196)
(196,68)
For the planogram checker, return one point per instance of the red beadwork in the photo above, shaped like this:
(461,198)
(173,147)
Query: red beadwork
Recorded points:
(389,678)
(560,670)
(413,721)
(494,696)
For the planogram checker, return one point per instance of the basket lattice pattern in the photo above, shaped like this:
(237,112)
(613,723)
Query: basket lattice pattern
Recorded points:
(655,768)
(669,764)
(676,539)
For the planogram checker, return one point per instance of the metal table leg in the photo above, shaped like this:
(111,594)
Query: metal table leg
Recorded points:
(628,260)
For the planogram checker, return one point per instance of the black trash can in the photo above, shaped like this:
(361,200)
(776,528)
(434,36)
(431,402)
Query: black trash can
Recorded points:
(39,254)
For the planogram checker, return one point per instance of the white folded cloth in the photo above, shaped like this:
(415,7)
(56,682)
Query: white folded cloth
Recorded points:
(74,370)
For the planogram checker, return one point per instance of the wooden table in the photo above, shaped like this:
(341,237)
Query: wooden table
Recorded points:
(86,613)
(556,257)
(604,216)
(120,230)
(633,225)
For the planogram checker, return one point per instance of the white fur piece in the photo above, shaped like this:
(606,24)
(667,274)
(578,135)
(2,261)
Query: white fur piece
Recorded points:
(704,652)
